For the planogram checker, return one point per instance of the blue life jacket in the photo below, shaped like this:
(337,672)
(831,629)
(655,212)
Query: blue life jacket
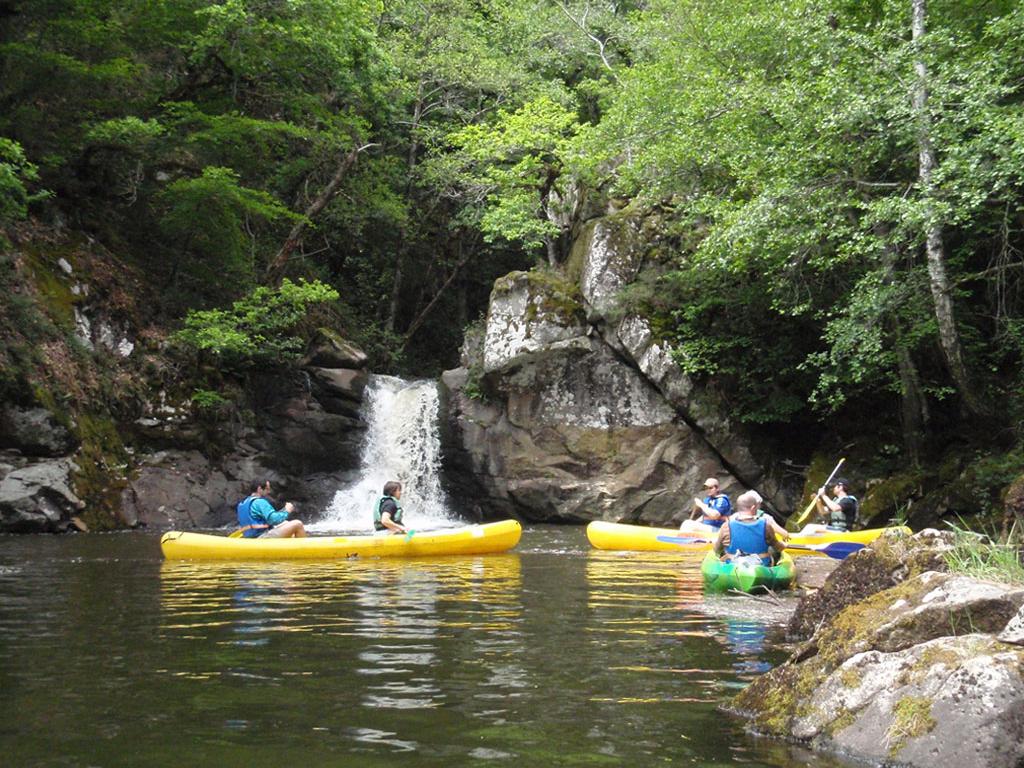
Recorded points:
(749,539)
(722,506)
(250,528)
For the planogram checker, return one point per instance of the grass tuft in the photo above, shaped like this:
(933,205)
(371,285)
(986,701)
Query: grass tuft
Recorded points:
(979,555)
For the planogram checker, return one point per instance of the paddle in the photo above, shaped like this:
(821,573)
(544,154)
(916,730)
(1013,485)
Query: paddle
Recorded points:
(408,534)
(837,550)
(683,540)
(806,512)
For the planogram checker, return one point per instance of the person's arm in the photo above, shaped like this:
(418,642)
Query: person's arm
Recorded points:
(391,525)
(722,540)
(387,509)
(699,509)
(771,539)
(262,511)
(718,508)
(822,504)
(780,533)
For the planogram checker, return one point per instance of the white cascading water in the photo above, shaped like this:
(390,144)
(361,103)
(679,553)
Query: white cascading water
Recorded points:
(402,443)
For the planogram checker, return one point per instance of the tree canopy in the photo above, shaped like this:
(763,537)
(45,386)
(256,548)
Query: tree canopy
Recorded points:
(839,184)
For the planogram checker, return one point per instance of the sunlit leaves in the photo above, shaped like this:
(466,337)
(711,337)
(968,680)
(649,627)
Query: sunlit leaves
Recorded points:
(257,329)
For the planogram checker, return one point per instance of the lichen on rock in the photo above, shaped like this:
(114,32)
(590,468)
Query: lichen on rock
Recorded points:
(907,673)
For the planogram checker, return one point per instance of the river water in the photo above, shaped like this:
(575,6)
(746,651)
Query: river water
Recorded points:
(553,654)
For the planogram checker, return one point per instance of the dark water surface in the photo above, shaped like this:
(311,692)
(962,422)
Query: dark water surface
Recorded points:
(553,654)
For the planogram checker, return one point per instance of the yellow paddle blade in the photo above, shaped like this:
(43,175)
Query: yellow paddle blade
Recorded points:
(236,534)
(794,524)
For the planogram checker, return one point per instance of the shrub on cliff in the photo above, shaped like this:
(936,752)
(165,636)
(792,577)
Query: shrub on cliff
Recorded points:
(261,328)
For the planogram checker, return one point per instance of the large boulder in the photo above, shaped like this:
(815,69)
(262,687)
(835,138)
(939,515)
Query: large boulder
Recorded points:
(305,436)
(890,560)
(610,254)
(916,674)
(37,496)
(566,430)
(339,390)
(180,489)
(328,349)
(567,409)
(954,700)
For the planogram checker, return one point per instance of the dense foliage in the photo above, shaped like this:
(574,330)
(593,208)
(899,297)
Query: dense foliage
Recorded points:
(840,183)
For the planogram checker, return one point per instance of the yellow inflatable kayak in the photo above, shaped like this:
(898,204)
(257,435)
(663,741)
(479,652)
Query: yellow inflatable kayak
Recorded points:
(639,538)
(470,540)
(620,536)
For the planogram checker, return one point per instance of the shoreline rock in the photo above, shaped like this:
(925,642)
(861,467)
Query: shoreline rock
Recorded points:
(915,672)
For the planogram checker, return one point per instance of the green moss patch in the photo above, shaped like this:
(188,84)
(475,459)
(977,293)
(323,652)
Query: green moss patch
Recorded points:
(102,471)
(912,717)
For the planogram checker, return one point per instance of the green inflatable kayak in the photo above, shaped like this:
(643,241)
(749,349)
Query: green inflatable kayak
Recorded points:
(746,574)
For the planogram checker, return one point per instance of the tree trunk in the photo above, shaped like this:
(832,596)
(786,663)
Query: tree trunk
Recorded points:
(279,261)
(913,407)
(935,248)
(391,321)
(416,323)
(914,414)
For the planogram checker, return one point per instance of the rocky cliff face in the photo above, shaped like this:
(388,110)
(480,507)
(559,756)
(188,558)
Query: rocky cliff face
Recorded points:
(568,409)
(97,431)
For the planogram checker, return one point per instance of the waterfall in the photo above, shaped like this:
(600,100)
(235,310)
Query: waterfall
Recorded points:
(402,443)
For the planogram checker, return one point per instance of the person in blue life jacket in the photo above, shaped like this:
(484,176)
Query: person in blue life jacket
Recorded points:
(257,516)
(713,510)
(840,512)
(747,533)
(387,515)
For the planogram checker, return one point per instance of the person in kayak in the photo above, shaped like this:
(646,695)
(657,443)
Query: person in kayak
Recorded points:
(840,512)
(257,516)
(713,510)
(388,514)
(747,533)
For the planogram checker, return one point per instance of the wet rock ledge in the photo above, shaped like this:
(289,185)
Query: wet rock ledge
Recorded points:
(902,663)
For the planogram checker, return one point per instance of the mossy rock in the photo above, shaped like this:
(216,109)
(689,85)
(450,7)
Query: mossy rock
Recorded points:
(102,472)
(888,561)
(773,700)
(892,498)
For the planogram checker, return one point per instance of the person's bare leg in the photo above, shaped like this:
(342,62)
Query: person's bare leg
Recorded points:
(698,528)
(287,529)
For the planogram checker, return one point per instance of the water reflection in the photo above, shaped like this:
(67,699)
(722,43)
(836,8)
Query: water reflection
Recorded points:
(638,598)
(396,626)
(552,656)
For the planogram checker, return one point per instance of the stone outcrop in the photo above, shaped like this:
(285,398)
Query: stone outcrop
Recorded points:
(889,561)
(306,439)
(954,700)
(34,432)
(304,434)
(37,495)
(568,410)
(922,673)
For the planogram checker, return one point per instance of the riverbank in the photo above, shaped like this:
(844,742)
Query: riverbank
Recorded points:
(901,661)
